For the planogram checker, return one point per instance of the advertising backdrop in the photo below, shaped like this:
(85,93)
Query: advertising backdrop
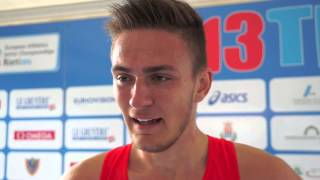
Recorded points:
(57,106)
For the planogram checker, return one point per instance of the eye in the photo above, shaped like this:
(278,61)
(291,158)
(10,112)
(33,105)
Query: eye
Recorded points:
(122,78)
(160,78)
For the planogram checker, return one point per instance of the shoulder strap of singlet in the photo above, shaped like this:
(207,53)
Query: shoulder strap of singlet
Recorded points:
(115,164)
(222,160)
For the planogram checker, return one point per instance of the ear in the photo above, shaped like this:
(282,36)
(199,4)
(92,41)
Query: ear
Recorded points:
(203,85)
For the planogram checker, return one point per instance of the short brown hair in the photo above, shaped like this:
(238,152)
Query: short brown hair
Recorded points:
(170,15)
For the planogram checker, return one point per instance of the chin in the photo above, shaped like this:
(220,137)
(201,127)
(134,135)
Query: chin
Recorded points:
(152,147)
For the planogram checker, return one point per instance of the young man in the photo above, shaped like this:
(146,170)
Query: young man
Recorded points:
(160,74)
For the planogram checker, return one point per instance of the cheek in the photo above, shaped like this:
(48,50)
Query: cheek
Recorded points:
(121,97)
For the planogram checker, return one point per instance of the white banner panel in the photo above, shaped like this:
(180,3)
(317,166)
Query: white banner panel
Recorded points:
(46,102)
(296,132)
(297,94)
(29,53)
(251,130)
(35,134)
(128,137)
(94,133)
(3,134)
(307,166)
(230,96)
(2,159)
(3,103)
(91,101)
(72,158)
(34,165)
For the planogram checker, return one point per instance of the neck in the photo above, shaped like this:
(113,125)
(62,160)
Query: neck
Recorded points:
(187,154)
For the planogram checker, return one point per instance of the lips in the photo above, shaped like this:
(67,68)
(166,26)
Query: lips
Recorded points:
(146,121)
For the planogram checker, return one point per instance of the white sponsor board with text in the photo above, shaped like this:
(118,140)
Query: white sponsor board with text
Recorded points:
(35,134)
(3,103)
(128,137)
(72,158)
(29,53)
(90,101)
(94,133)
(296,133)
(2,159)
(3,133)
(34,165)
(251,130)
(229,96)
(46,102)
(299,94)
(307,166)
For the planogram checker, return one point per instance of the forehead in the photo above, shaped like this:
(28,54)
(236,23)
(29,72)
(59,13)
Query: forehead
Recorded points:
(149,44)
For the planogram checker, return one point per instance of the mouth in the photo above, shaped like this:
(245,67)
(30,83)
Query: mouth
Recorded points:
(147,121)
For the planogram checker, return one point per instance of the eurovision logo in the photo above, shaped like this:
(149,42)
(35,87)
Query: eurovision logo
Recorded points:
(228,132)
(93,100)
(32,165)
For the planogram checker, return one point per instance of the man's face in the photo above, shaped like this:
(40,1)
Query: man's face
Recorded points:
(154,86)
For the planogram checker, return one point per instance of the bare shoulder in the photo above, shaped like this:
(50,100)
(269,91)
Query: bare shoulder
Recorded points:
(257,164)
(88,169)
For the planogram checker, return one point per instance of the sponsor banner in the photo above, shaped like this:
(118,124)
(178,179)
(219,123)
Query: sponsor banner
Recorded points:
(128,137)
(296,133)
(251,130)
(72,158)
(94,133)
(3,132)
(3,103)
(307,166)
(29,53)
(299,94)
(47,102)
(34,165)
(90,101)
(248,96)
(35,134)
(2,159)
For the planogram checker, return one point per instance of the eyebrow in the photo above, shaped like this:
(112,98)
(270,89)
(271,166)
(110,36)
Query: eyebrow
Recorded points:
(119,68)
(146,70)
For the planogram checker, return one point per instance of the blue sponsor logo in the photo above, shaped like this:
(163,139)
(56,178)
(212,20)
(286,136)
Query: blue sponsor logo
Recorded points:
(309,97)
(219,97)
(38,102)
(308,92)
(93,100)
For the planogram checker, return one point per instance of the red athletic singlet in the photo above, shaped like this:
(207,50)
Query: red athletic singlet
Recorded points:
(221,164)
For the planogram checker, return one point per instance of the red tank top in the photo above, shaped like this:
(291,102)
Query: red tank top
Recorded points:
(221,164)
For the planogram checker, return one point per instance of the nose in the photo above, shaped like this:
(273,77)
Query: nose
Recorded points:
(141,95)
